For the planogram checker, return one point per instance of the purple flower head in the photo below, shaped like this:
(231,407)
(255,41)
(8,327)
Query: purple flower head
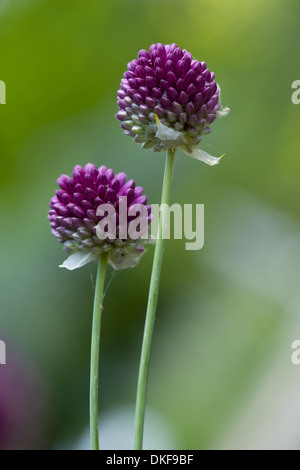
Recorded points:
(168,99)
(23,404)
(91,213)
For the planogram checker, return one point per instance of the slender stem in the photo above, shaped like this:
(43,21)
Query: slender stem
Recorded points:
(94,374)
(151,307)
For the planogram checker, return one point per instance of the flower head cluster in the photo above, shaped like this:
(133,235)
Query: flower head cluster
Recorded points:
(168,99)
(23,404)
(74,216)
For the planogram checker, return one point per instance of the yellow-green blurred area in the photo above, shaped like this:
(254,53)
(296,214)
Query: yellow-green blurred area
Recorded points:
(221,373)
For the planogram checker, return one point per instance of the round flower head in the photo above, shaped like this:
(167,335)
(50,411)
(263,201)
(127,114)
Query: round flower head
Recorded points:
(167,99)
(92,213)
(23,404)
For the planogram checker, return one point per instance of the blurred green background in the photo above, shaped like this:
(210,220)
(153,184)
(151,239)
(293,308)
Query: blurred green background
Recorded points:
(221,373)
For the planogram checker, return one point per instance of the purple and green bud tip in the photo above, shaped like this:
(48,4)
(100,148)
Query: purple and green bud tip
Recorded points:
(73,216)
(168,99)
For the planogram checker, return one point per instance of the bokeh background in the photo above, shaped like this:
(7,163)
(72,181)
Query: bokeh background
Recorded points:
(221,372)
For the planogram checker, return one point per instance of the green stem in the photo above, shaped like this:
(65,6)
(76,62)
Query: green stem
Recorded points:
(151,307)
(94,375)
